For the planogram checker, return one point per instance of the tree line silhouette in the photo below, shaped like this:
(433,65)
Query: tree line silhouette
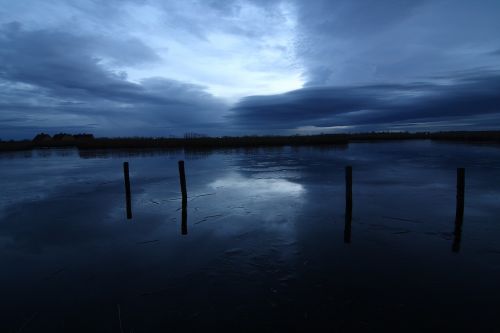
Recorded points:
(199,141)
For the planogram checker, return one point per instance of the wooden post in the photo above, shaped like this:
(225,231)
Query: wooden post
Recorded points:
(348,204)
(459,215)
(182,176)
(127,190)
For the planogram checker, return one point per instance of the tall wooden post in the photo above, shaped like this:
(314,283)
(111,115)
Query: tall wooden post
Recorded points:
(182,177)
(127,190)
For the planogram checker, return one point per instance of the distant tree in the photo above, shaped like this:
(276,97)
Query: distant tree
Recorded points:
(63,137)
(42,137)
(193,135)
(84,136)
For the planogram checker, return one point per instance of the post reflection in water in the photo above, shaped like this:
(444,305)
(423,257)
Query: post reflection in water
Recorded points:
(457,237)
(182,177)
(184,228)
(348,204)
(459,215)
(347,226)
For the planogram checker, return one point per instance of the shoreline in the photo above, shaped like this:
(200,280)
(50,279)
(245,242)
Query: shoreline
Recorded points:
(247,141)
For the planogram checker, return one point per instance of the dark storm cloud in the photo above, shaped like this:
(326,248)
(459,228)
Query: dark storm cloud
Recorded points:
(464,96)
(495,53)
(48,74)
(347,42)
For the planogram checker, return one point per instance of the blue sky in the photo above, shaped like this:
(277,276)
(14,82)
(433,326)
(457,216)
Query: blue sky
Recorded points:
(159,68)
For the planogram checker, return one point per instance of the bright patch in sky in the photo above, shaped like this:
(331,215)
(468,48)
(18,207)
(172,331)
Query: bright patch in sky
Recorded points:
(252,52)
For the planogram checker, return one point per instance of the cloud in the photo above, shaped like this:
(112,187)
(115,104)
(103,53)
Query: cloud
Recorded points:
(494,53)
(465,96)
(59,79)
(152,67)
(347,42)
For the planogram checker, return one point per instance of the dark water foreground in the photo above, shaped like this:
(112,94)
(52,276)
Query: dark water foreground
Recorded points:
(264,249)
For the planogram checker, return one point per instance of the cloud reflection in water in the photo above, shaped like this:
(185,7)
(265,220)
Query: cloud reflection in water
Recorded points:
(264,188)
(271,204)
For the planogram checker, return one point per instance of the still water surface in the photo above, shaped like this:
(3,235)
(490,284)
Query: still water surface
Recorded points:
(264,249)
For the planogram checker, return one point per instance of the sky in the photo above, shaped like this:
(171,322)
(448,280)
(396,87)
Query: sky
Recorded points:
(224,67)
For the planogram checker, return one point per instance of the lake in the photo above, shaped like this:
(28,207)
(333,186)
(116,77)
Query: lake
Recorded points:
(264,246)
